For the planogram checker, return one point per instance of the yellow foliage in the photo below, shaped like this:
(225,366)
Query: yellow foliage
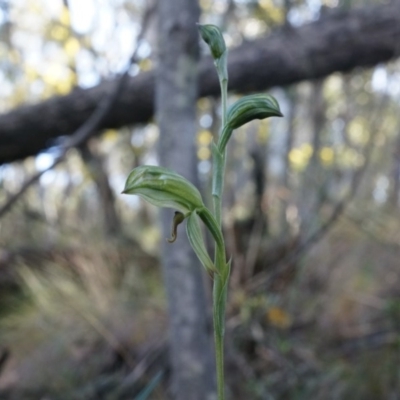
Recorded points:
(150,238)
(296,158)
(110,135)
(203,104)
(330,3)
(53,74)
(263,132)
(71,47)
(327,155)
(65,17)
(299,157)
(358,131)
(146,64)
(63,86)
(18,95)
(58,79)
(204,137)
(333,84)
(203,153)
(348,157)
(276,14)
(278,317)
(59,33)
(205,4)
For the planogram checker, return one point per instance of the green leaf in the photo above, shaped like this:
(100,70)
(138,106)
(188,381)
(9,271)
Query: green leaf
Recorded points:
(246,109)
(212,225)
(163,188)
(197,242)
(212,35)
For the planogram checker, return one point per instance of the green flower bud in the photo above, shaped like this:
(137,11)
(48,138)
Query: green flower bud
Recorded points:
(213,37)
(163,188)
(248,108)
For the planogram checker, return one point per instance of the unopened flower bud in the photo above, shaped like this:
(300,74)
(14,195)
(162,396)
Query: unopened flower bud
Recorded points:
(213,37)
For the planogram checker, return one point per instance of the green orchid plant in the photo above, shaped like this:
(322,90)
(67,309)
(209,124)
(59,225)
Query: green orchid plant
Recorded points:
(165,188)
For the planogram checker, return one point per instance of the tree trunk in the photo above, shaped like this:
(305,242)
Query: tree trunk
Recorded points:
(176,94)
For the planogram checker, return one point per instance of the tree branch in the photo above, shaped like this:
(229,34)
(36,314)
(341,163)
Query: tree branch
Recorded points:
(338,42)
(89,126)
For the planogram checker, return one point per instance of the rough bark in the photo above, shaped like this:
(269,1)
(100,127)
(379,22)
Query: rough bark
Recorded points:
(339,41)
(176,94)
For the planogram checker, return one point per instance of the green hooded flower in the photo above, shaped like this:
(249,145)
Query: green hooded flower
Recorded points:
(163,188)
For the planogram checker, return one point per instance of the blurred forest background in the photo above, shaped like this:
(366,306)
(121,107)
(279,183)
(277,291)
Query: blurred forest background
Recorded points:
(311,211)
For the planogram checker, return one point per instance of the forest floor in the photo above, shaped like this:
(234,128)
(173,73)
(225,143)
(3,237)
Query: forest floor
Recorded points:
(87,320)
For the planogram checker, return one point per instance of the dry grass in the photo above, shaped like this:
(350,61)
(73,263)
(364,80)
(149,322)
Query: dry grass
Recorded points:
(88,311)
(85,312)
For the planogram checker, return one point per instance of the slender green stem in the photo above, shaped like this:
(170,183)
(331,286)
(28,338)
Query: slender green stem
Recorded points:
(219,357)
(224,95)
(219,303)
(220,280)
(219,168)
